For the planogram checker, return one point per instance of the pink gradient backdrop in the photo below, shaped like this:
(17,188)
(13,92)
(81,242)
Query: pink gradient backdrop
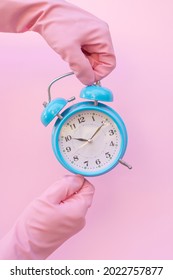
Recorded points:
(132,213)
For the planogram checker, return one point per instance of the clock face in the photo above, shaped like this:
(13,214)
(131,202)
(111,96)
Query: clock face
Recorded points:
(89,142)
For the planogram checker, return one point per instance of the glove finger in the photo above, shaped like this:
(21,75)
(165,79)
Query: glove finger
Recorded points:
(79,64)
(81,200)
(103,66)
(63,189)
(102,60)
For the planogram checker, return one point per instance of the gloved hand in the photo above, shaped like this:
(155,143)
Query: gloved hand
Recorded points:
(80,38)
(49,220)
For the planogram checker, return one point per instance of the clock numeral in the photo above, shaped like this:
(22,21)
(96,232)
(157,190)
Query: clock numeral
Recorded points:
(68,149)
(81,120)
(111,132)
(86,163)
(75,158)
(68,138)
(98,161)
(73,126)
(93,118)
(112,143)
(108,155)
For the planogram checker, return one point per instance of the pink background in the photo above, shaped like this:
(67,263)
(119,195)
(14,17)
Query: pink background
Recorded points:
(132,213)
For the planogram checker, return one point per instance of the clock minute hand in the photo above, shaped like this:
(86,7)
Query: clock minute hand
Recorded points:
(96,131)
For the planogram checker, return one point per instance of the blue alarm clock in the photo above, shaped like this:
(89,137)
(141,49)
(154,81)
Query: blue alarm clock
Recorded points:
(88,138)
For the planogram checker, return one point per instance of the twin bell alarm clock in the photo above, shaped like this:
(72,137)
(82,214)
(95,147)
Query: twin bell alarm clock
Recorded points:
(88,138)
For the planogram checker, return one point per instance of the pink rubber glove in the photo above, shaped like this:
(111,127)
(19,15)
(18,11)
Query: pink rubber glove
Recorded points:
(49,220)
(80,38)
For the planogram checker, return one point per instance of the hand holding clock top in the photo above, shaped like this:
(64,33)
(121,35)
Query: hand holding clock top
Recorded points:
(80,38)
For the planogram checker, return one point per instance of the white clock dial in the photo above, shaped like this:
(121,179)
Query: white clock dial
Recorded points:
(89,141)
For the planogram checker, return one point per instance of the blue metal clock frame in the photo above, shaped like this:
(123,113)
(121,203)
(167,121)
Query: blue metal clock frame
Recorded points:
(77,108)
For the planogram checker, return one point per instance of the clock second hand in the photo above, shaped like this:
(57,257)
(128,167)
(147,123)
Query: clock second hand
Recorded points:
(84,140)
(81,146)
(90,139)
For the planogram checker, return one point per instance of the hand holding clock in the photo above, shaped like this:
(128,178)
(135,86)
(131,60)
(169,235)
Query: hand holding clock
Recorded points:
(89,53)
(88,50)
(52,218)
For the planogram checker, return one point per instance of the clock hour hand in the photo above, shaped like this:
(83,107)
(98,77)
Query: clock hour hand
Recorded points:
(81,139)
